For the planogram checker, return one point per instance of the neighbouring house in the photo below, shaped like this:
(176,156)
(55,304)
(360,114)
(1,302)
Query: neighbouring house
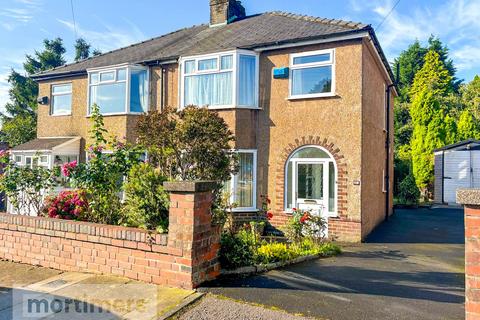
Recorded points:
(310,101)
(457,166)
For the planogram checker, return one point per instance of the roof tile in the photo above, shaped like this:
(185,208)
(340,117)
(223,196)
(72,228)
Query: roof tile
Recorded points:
(250,32)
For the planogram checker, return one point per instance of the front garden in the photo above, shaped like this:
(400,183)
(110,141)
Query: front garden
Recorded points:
(122,184)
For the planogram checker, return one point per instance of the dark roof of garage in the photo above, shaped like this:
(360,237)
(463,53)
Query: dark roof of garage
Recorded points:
(462,145)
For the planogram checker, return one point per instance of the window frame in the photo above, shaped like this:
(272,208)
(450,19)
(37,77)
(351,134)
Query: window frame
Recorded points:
(310,65)
(53,95)
(21,159)
(128,68)
(234,178)
(286,209)
(234,69)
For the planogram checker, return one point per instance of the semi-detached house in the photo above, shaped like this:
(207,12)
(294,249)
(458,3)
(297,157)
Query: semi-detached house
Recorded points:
(309,100)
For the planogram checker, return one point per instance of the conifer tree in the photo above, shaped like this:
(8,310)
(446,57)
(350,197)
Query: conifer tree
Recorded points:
(432,126)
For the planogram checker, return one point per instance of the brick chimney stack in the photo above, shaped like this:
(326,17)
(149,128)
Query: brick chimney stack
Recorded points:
(225,11)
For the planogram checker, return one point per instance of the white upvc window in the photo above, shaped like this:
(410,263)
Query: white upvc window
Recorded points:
(242,187)
(18,159)
(119,90)
(221,80)
(61,99)
(35,161)
(312,74)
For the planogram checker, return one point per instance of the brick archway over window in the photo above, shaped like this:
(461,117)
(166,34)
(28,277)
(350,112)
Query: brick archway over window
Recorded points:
(342,177)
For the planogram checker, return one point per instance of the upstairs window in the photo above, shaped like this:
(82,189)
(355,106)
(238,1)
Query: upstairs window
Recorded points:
(312,74)
(61,99)
(224,80)
(119,90)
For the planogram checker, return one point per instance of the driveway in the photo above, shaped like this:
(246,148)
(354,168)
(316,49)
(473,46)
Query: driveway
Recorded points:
(411,267)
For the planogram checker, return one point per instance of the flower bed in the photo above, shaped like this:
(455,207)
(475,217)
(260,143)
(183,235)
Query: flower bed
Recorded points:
(246,248)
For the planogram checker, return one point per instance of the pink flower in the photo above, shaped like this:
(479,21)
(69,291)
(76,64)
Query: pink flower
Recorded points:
(66,170)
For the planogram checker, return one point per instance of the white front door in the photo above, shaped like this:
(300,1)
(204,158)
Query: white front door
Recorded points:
(311,186)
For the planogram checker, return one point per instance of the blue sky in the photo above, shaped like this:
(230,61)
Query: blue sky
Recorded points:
(109,24)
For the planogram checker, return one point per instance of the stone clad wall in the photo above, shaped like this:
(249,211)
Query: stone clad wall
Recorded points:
(185,257)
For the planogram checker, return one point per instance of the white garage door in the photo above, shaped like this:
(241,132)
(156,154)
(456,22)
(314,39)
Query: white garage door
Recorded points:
(457,173)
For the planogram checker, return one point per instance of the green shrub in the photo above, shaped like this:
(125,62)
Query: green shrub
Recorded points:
(275,252)
(237,250)
(68,204)
(408,192)
(25,187)
(146,204)
(101,177)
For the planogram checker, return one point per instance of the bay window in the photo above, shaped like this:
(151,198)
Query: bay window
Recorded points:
(223,80)
(312,74)
(243,185)
(119,90)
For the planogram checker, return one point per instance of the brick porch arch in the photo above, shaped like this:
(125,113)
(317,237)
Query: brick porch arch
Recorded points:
(280,216)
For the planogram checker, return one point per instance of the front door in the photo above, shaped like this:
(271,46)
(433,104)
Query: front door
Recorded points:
(311,186)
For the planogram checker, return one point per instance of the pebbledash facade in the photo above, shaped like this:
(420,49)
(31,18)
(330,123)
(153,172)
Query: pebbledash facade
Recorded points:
(308,99)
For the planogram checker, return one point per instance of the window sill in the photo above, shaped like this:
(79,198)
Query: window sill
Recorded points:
(245,210)
(119,114)
(329,215)
(61,115)
(229,107)
(312,96)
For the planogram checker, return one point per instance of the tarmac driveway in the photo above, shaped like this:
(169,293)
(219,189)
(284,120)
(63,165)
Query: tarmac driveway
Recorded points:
(412,267)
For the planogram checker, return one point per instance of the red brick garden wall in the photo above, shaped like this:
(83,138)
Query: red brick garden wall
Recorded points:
(472,262)
(185,257)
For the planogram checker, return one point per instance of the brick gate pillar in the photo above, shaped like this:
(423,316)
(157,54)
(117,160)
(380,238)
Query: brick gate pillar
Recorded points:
(191,232)
(471,199)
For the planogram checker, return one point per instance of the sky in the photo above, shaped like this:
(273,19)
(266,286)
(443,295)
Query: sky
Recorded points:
(110,24)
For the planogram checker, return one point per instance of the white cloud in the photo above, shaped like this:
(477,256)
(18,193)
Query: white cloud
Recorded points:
(108,38)
(4,86)
(17,14)
(455,22)
(21,13)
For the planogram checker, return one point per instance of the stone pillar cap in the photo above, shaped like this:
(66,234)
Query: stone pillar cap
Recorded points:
(189,186)
(468,196)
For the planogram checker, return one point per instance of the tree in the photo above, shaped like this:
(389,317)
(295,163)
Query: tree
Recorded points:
(470,96)
(82,49)
(411,60)
(191,144)
(432,126)
(19,119)
(408,63)
(467,127)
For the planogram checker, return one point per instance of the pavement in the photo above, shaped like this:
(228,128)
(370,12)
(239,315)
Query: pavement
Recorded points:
(411,267)
(29,292)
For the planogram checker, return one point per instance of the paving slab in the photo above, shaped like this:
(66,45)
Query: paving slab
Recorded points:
(42,293)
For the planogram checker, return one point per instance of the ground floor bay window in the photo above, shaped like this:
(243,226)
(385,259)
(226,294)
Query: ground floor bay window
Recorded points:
(310,184)
(242,186)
